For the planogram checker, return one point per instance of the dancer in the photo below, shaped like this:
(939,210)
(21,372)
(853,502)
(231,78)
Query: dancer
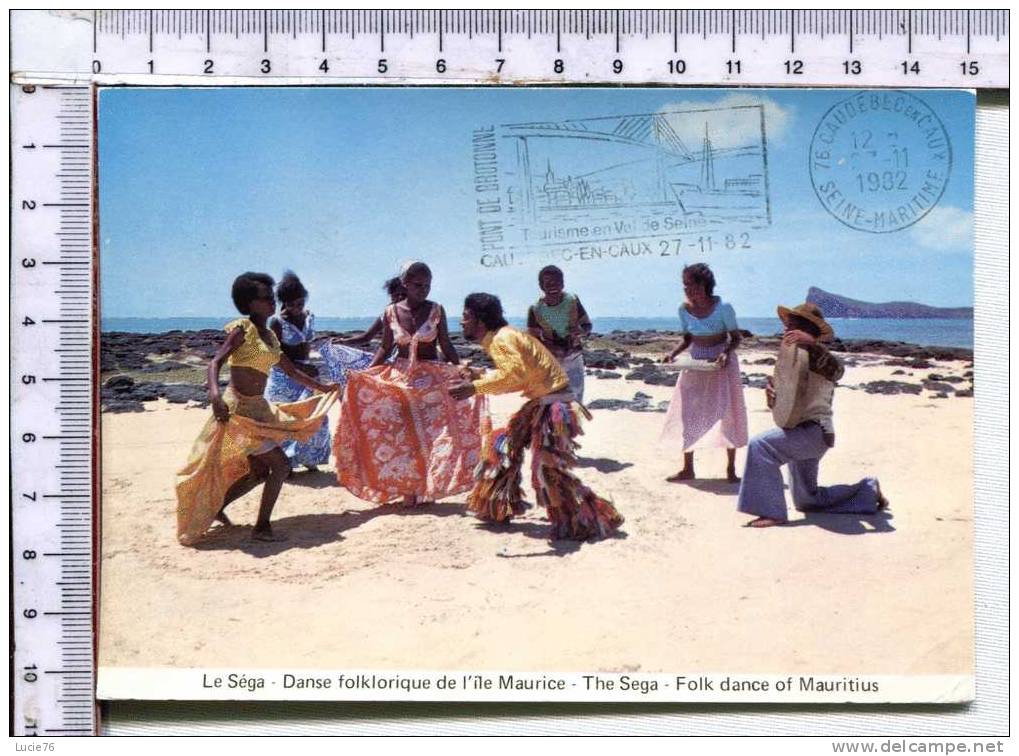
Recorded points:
(401,437)
(810,435)
(295,329)
(238,448)
(558,321)
(548,423)
(707,408)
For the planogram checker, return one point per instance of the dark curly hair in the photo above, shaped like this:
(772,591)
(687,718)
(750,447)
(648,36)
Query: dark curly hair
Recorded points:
(246,287)
(290,288)
(701,273)
(487,308)
(393,286)
(549,270)
(416,269)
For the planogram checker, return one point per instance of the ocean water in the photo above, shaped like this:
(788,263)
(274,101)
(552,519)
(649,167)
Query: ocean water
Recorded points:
(922,331)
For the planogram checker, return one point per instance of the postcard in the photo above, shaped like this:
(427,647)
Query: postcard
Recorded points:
(536,394)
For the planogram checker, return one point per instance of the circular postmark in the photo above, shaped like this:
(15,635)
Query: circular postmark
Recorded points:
(880,160)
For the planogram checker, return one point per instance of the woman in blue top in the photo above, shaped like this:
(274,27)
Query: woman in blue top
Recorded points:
(707,408)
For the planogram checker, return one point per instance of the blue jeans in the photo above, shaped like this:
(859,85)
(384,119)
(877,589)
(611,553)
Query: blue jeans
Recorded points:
(801,448)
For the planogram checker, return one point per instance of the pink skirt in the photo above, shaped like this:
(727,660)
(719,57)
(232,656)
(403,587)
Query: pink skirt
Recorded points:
(707,410)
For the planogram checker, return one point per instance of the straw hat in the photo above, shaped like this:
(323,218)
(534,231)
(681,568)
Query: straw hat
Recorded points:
(812,313)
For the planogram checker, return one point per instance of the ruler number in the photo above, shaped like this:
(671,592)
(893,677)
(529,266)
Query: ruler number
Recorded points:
(207,67)
(152,66)
(30,614)
(28,204)
(31,497)
(558,65)
(617,66)
(28,554)
(970,68)
(28,146)
(96,66)
(29,674)
(499,63)
(794,67)
(852,67)
(27,262)
(266,66)
(734,66)
(910,68)
(27,321)
(28,380)
(28,438)
(677,66)
(324,65)
(440,65)
(383,65)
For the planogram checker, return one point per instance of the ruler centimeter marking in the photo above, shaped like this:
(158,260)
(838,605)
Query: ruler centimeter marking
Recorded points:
(851,48)
(54,277)
(52,410)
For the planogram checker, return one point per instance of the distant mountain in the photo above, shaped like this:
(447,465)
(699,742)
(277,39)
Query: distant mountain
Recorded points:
(837,306)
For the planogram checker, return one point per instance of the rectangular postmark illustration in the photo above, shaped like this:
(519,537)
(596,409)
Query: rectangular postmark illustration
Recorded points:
(664,183)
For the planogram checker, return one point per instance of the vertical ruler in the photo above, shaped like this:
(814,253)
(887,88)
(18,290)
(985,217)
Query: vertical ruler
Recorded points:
(52,438)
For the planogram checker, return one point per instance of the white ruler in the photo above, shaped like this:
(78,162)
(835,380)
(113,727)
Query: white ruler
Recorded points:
(58,56)
(886,48)
(52,441)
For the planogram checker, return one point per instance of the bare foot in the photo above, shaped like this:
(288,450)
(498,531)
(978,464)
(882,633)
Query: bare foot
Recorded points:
(223,519)
(682,475)
(265,534)
(764,522)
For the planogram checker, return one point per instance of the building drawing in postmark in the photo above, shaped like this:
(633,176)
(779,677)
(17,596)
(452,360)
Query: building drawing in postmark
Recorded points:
(621,186)
(880,161)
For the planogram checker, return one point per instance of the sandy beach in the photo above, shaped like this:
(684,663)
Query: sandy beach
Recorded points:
(683,587)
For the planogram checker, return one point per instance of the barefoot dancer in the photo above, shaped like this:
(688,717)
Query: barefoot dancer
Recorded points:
(548,423)
(295,329)
(239,447)
(802,445)
(401,437)
(707,408)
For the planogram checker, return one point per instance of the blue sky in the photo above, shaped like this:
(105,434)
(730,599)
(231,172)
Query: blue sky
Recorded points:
(343,185)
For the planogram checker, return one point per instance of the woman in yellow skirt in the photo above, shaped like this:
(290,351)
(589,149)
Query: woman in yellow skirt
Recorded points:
(239,447)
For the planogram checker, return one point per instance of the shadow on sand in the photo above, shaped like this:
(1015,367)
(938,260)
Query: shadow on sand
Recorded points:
(603,464)
(848,524)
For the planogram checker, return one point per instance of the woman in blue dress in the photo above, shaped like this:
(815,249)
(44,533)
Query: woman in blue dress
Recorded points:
(295,328)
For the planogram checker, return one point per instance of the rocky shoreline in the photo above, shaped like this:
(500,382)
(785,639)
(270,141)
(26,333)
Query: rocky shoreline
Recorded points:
(138,367)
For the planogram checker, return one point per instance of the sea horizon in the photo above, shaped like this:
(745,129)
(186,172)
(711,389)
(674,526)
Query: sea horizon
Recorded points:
(947,332)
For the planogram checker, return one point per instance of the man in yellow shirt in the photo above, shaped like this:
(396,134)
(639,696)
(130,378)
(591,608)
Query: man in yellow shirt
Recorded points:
(548,423)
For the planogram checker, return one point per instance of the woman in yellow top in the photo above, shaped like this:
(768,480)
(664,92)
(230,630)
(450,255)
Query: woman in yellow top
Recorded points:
(239,448)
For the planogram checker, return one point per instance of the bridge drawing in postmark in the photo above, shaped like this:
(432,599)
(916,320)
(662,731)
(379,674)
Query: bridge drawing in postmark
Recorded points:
(621,185)
(880,160)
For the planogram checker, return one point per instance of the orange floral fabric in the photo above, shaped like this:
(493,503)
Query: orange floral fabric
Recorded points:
(400,433)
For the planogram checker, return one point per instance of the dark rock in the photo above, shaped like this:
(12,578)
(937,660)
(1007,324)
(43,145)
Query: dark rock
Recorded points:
(608,404)
(119,383)
(898,372)
(182,393)
(968,374)
(602,358)
(940,396)
(763,361)
(606,374)
(938,386)
(964,392)
(891,387)
(122,405)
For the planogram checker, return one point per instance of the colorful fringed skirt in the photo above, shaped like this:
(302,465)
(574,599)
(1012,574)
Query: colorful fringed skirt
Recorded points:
(401,433)
(219,457)
(548,427)
(707,408)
